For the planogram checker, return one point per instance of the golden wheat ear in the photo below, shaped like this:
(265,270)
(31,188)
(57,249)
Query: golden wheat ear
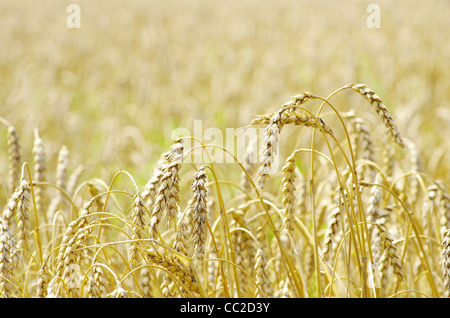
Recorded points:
(14,158)
(446,263)
(199,210)
(167,198)
(382,111)
(6,259)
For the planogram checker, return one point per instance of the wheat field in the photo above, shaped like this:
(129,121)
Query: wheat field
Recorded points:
(343,193)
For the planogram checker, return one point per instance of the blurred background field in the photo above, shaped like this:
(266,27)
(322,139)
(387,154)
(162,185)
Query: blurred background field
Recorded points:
(114,90)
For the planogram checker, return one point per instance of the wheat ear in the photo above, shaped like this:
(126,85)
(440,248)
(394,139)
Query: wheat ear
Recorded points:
(43,280)
(61,182)
(23,213)
(6,260)
(10,208)
(119,291)
(151,187)
(139,225)
(444,205)
(167,199)
(96,285)
(290,117)
(199,210)
(390,251)
(275,123)
(382,111)
(74,236)
(183,274)
(262,278)
(14,158)
(331,231)
(446,263)
(288,199)
(39,170)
